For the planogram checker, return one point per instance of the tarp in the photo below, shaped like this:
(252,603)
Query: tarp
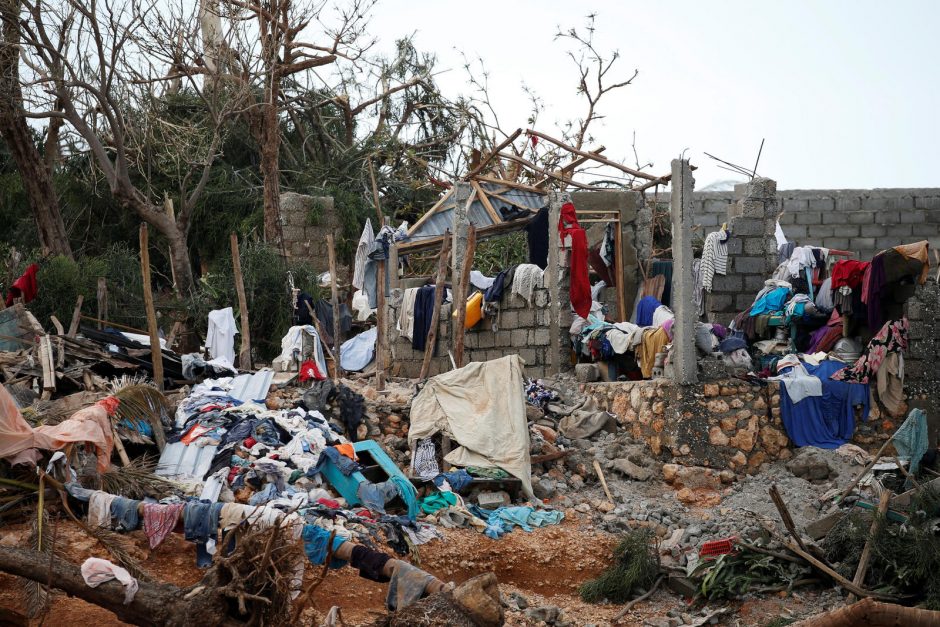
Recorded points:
(18,440)
(482,407)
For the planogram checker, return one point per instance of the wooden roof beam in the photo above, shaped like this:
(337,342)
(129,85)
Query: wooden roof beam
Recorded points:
(594,157)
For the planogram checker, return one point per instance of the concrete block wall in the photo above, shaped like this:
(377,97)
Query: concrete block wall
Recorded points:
(302,240)
(864,221)
(523,329)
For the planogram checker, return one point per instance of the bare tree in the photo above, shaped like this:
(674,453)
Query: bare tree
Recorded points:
(94,66)
(34,170)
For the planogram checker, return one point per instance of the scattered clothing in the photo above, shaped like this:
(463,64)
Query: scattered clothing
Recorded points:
(124,512)
(910,441)
(362,252)
(890,382)
(456,479)
(97,571)
(358,351)
(527,278)
(848,273)
(826,421)
(374,496)
(371,564)
(494,293)
(645,310)
(504,519)
(479,280)
(159,521)
(424,463)
(99,509)
(891,338)
(797,383)
(653,342)
(580,290)
(316,543)
(438,500)
(407,585)
(772,302)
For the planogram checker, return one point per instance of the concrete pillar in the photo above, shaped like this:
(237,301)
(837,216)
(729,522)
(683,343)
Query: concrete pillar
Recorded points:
(551,280)
(684,357)
(461,227)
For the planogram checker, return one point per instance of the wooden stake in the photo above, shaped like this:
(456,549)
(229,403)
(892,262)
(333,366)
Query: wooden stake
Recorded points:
(842,581)
(600,475)
(59,330)
(871,464)
(48,368)
(460,297)
(381,340)
(76,316)
(244,355)
(334,300)
(436,313)
(155,353)
(785,515)
(859,580)
(102,300)
(119,446)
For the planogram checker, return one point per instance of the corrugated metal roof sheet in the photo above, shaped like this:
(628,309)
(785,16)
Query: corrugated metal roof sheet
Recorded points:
(185,463)
(443,219)
(252,387)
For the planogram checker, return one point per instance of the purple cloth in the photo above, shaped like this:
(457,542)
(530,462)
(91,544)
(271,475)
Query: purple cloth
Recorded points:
(876,283)
(720,331)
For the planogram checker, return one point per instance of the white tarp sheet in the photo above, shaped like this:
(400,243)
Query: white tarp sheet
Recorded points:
(482,407)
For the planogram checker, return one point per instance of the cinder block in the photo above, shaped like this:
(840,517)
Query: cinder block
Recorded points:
(927,202)
(749,265)
(786,218)
(882,243)
(719,302)
(735,245)
(715,206)
(897,230)
(520,337)
(819,231)
(809,217)
(861,217)
(753,283)
(743,301)
(487,339)
(542,337)
(528,355)
(872,230)
(887,217)
(795,231)
(729,283)
(834,217)
(859,244)
(822,205)
(795,204)
(913,216)
(836,242)
(748,226)
(708,219)
(503,338)
(848,203)
(756,245)
(880,203)
(845,230)
(509,320)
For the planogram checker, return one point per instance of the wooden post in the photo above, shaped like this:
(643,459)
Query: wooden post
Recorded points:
(48,368)
(381,340)
(244,355)
(460,302)
(436,313)
(393,280)
(334,300)
(168,208)
(76,316)
(102,300)
(155,353)
(859,580)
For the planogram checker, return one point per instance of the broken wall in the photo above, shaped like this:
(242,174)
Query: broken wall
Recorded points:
(306,221)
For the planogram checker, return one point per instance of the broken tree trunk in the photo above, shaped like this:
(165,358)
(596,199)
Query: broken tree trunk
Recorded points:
(244,355)
(156,355)
(883,502)
(460,296)
(334,301)
(154,603)
(436,313)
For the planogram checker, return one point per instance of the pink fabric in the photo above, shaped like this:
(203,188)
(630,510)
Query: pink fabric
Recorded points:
(159,521)
(17,438)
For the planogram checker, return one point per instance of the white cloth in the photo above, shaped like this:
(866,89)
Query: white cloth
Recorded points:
(661,315)
(698,295)
(99,509)
(779,235)
(357,352)
(406,315)
(802,257)
(360,303)
(596,289)
(220,337)
(620,336)
(714,258)
(824,295)
(143,339)
(798,383)
(480,281)
(96,571)
(482,408)
(362,251)
(527,277)
(292,350)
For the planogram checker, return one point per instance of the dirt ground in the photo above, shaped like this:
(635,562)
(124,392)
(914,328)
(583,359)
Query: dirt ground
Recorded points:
(545,567)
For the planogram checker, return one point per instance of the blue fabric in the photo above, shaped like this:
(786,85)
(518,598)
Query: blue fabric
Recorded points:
(424,311)
(124,513)
(771,302)
(408,494)
(911,438)
(645,309)
(504,519)
(316,539)
(374,496)
(265,432)
(356,353)
(458,479)
(345,465)
(266,494)
(732,343)
(826,421)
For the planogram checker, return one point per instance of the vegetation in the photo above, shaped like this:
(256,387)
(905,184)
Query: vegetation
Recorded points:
(635,565)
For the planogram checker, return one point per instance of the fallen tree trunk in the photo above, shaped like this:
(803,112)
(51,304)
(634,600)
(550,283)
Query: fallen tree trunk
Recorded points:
(873,614)
(154,603)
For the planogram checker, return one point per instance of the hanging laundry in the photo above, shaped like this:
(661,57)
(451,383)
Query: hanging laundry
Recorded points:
(220,336)
(527,277)
(645,309)
(714,257)
(406,315)
(537,237)
(848,273)
(580,291)
(891,338)
(25,286)
(159,521)
(423,310)
(362,251)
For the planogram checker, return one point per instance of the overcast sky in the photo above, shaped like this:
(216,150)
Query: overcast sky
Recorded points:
(845,92)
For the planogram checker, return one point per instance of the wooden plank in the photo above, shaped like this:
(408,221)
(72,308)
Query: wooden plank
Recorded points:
(59,329)
(156,355)
(603,479)
(461,303)
(102,295)
(785,515)
(334,301)
(48,368)
(429,213)
(436,312)
(489,157)
(560,179)
(479,193)
(244,354)
(842,581)
(513,184)
(76,316)
(598,158)
(102,323)
(620,280)
(859,580)
(567,169)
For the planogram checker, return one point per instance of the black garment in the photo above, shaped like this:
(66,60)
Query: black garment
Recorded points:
(319,395)
(513,213)
(501,283)
(537,235)
(424,309)
(301,313)
(664,267)
(370,563)
(351,408)
(324,311)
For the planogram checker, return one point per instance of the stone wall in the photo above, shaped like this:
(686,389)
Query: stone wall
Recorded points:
(725,424)
(523,329)
(864,221)
(306,221)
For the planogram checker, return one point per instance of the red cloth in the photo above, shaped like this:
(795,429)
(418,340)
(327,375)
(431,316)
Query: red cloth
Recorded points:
(580,283)
(309,370)
(25,286)
(848,273)
(249,442)
(328,503)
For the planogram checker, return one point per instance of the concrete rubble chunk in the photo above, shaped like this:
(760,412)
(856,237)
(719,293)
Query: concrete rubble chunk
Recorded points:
(631,470)
(480,598)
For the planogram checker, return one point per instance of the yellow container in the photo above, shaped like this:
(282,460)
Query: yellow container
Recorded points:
(474,310)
